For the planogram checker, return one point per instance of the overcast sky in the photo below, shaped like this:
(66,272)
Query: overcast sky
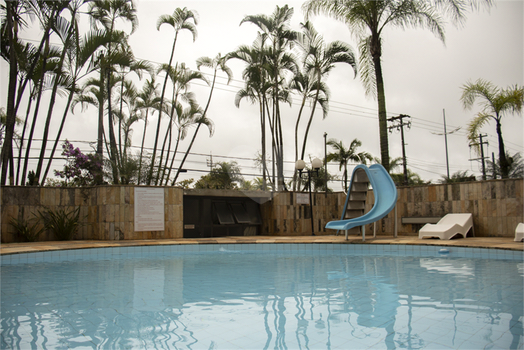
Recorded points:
(423,77)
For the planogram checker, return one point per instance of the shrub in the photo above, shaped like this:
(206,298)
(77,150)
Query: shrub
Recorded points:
(61,222)
(25,229)
(80,169)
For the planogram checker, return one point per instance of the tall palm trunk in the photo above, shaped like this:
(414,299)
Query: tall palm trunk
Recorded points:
(49,115)
(381,97)
(100,138)
(35,114)
(167,139)
(157,134)
(112,139)
(504,165)
(197,129)
(22,136)
(7,149)
(173,159)
(142,148)
(263,141)
(309,122)
(59,133)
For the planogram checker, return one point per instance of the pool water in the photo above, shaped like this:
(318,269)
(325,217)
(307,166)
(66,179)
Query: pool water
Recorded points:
(261,296)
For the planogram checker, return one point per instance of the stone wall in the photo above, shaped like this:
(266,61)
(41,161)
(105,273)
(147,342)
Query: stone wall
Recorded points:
(282,216)
(496,206)
(106,212)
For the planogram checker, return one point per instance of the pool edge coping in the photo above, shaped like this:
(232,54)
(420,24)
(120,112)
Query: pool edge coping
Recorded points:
(502,243)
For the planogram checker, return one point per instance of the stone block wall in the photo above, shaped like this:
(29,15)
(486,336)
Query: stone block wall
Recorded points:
(496,205)
(282,216)
(106,212)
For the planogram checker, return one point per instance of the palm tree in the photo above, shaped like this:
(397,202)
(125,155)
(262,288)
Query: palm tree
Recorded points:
(459,176)
(7,146)
(138,67)
(275,38)
(14,53)
(79,52)
(181,19)
(224,175)
(148,100)
(319,59)
(495,102)
(256,90)
(66,31)
(217,64)
(367,20)
(343,155)
(516,167)
(106,13)
(186,118)
(181,77)
(48,16)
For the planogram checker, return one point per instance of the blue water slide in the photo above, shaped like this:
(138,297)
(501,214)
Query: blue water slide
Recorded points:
(385,193)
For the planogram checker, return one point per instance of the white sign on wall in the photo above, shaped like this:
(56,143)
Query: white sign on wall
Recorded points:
(149,209)
(302,198)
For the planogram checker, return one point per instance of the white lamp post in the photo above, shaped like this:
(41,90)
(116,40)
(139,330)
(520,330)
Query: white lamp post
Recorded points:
(316,164)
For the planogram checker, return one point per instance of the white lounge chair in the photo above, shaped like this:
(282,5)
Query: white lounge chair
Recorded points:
(448,227)
(519,232)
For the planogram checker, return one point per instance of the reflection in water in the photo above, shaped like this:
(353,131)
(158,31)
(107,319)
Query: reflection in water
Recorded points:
(231,300)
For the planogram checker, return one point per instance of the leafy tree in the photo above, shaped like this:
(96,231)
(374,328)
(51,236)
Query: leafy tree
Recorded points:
(367,20)
(318,180)
(185,184)
(459,176)
(495,103)
(413,178)
(343,155)
(515,167)
(224,175)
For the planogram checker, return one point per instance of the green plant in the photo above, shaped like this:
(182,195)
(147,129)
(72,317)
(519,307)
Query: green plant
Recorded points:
(61,222)
(25,229)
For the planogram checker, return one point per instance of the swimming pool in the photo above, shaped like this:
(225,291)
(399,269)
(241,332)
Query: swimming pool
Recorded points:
(264,296)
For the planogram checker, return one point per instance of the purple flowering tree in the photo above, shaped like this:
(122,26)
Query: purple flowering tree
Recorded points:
(80,169)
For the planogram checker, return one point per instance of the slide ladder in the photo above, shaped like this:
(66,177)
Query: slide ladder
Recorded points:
(355,205)
(385,193)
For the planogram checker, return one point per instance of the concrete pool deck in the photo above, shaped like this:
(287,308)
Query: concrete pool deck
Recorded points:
(471,242)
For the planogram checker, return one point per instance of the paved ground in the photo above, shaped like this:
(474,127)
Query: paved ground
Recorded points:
(477,242)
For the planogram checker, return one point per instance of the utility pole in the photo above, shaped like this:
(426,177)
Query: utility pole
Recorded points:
(209,161)
(482,158)
(446,141)
(400,126)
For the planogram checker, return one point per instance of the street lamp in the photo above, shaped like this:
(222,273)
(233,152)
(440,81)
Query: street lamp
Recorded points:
(316,164)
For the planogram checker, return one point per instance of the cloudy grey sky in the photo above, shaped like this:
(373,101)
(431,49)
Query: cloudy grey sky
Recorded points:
(422,76)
